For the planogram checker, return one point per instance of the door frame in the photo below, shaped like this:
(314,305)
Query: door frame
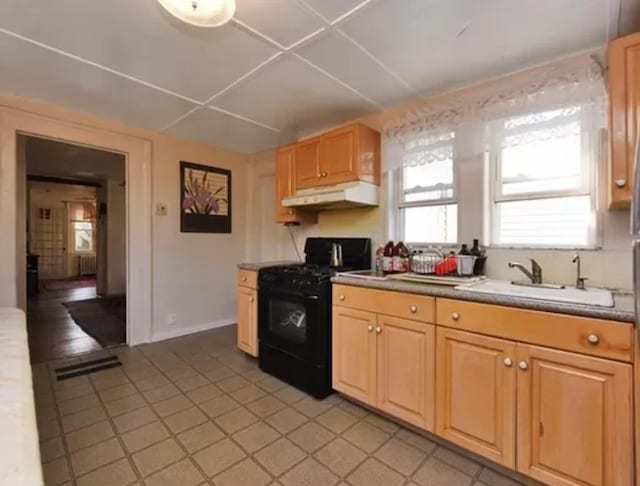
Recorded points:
(137,153)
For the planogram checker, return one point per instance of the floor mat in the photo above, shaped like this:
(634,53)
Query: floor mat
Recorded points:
(66,283)
(104,318)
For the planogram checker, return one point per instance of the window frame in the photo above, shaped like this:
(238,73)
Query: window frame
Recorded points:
(72,237)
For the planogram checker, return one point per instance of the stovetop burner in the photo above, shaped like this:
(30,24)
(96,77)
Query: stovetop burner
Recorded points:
(312,270)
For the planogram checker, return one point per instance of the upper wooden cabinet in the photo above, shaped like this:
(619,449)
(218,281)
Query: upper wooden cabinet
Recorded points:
(624,106)
(346,154)
(285,186)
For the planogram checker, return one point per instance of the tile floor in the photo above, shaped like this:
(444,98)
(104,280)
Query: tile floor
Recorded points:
(194,411)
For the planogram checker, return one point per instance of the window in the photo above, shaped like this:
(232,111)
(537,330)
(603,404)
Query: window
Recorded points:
(427,195)
(81,218)
(543,188)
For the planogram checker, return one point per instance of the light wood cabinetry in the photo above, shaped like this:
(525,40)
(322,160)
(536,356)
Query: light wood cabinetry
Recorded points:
(307,163)
(285,187)
(476,394)
(574,418)
(624,109)
(248,312)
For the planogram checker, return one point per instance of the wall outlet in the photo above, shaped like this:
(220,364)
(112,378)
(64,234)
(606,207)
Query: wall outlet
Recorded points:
(172,319)
(161,209)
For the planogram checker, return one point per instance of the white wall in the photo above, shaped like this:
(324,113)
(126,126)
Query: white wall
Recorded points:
(21,219)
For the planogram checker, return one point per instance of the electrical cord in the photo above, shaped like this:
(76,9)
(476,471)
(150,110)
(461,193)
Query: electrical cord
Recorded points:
(293,242)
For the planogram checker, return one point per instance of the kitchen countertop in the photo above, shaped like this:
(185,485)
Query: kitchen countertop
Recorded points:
(622,311)
(255,266)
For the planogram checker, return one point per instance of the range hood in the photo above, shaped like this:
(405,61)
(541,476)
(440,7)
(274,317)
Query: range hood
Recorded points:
(341,196)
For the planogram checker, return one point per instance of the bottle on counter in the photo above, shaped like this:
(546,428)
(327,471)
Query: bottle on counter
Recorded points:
(396,262)
(380,261)
(401,257)
(387,258)
(475,249)
(464,250)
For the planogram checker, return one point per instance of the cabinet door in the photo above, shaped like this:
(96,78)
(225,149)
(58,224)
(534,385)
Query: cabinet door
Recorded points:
(354,354)
(476,393)
(574,418)
(624,104)
(307,164)
(340,155)
(406,370)
(285,183)
(248,320)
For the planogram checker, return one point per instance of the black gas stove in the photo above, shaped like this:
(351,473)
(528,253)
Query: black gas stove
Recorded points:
(294,313)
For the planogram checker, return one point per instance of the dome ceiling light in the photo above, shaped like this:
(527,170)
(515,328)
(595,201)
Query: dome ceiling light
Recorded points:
(201,13)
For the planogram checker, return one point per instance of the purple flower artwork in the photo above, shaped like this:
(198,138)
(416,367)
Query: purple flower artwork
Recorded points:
(205,199)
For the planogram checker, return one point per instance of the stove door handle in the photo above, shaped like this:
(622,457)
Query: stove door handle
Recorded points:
(270,291)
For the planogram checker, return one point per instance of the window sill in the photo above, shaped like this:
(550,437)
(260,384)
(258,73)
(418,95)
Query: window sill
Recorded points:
(544,247)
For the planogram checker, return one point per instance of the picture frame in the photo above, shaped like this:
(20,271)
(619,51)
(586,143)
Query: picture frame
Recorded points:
(205,199)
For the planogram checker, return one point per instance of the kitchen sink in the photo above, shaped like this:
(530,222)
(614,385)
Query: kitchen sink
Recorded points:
(590,296)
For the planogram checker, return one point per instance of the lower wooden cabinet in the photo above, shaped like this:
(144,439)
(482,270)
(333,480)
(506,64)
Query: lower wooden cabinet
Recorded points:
(574,418)
(476,394)
(248,320)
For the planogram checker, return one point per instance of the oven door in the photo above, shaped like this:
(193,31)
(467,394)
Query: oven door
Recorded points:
(294,322)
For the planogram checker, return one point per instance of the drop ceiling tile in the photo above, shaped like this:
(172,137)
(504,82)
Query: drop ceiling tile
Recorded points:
(435,45)
(340,57)
(32,71)
(215,128)
(140,39)
(291,95)
(333,9)
(284,21)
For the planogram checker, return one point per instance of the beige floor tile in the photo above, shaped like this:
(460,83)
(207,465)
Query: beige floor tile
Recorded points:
(416,440)
(248,394)
(287,394)
(437,473)
(48,429)
(311,437)
(172,405)
(312,407)
(336,420)
(366,437)
(144,436)
(232,383)
(179,374)
(124,405)
(200,437)
(204,393)
(189,383)
(78,404)
(382,423)
(272,384)
(219,456)
(280,456)
(151,382)
(51,449)
(185,420)
(182,473)
(374,473)
(235,420)
(492,478)
(309,473)
(56,472)
(218,406)
(81,419)
(95,456)
(255,375)
(47,412)
(108,379)
(117,392)
(74,392)
(401,456)
(266,406)
(157,456)
(218,373)
(245,473)
(119,473)
(87,436)
(135,419)
(354,409)
(456,460)
(256,436)
(340,456)
(159,394)
(286,420)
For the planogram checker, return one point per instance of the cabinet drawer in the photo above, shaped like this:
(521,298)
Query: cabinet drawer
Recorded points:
(248,278)
(596,337)
(398,304)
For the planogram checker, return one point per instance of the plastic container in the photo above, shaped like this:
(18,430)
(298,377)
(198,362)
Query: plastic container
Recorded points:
(465,265)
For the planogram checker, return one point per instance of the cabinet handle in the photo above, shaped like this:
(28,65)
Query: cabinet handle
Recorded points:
(290,211)
(455,316)
(342,297)
(413,309)
(370,328)
(593,338)
(251,299)
(244,279)
(378,329)
(508,362)
(523,365)
(620,182)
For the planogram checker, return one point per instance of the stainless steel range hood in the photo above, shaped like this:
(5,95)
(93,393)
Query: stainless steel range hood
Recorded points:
(341,196)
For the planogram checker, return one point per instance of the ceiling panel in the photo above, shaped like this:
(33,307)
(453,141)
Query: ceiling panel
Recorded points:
(284,21)
(290,95)
(333,9)
(140,39)
(435,45)
(32,71)
(214,128)
(355,68)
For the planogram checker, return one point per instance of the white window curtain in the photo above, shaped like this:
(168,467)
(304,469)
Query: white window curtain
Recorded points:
(550,98)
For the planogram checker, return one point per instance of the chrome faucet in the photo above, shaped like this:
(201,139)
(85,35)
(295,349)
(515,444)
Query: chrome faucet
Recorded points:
(535,275)
(579,279)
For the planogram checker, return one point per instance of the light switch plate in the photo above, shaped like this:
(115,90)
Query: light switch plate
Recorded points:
(161,209)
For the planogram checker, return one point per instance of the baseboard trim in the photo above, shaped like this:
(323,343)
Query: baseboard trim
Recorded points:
(184,331)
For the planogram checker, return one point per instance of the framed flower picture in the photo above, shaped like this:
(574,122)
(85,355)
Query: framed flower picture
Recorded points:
(205,199)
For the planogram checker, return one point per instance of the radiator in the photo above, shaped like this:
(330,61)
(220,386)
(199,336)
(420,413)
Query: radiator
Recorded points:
(87,264)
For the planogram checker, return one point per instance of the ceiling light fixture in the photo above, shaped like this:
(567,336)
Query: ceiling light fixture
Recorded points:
(201,13)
